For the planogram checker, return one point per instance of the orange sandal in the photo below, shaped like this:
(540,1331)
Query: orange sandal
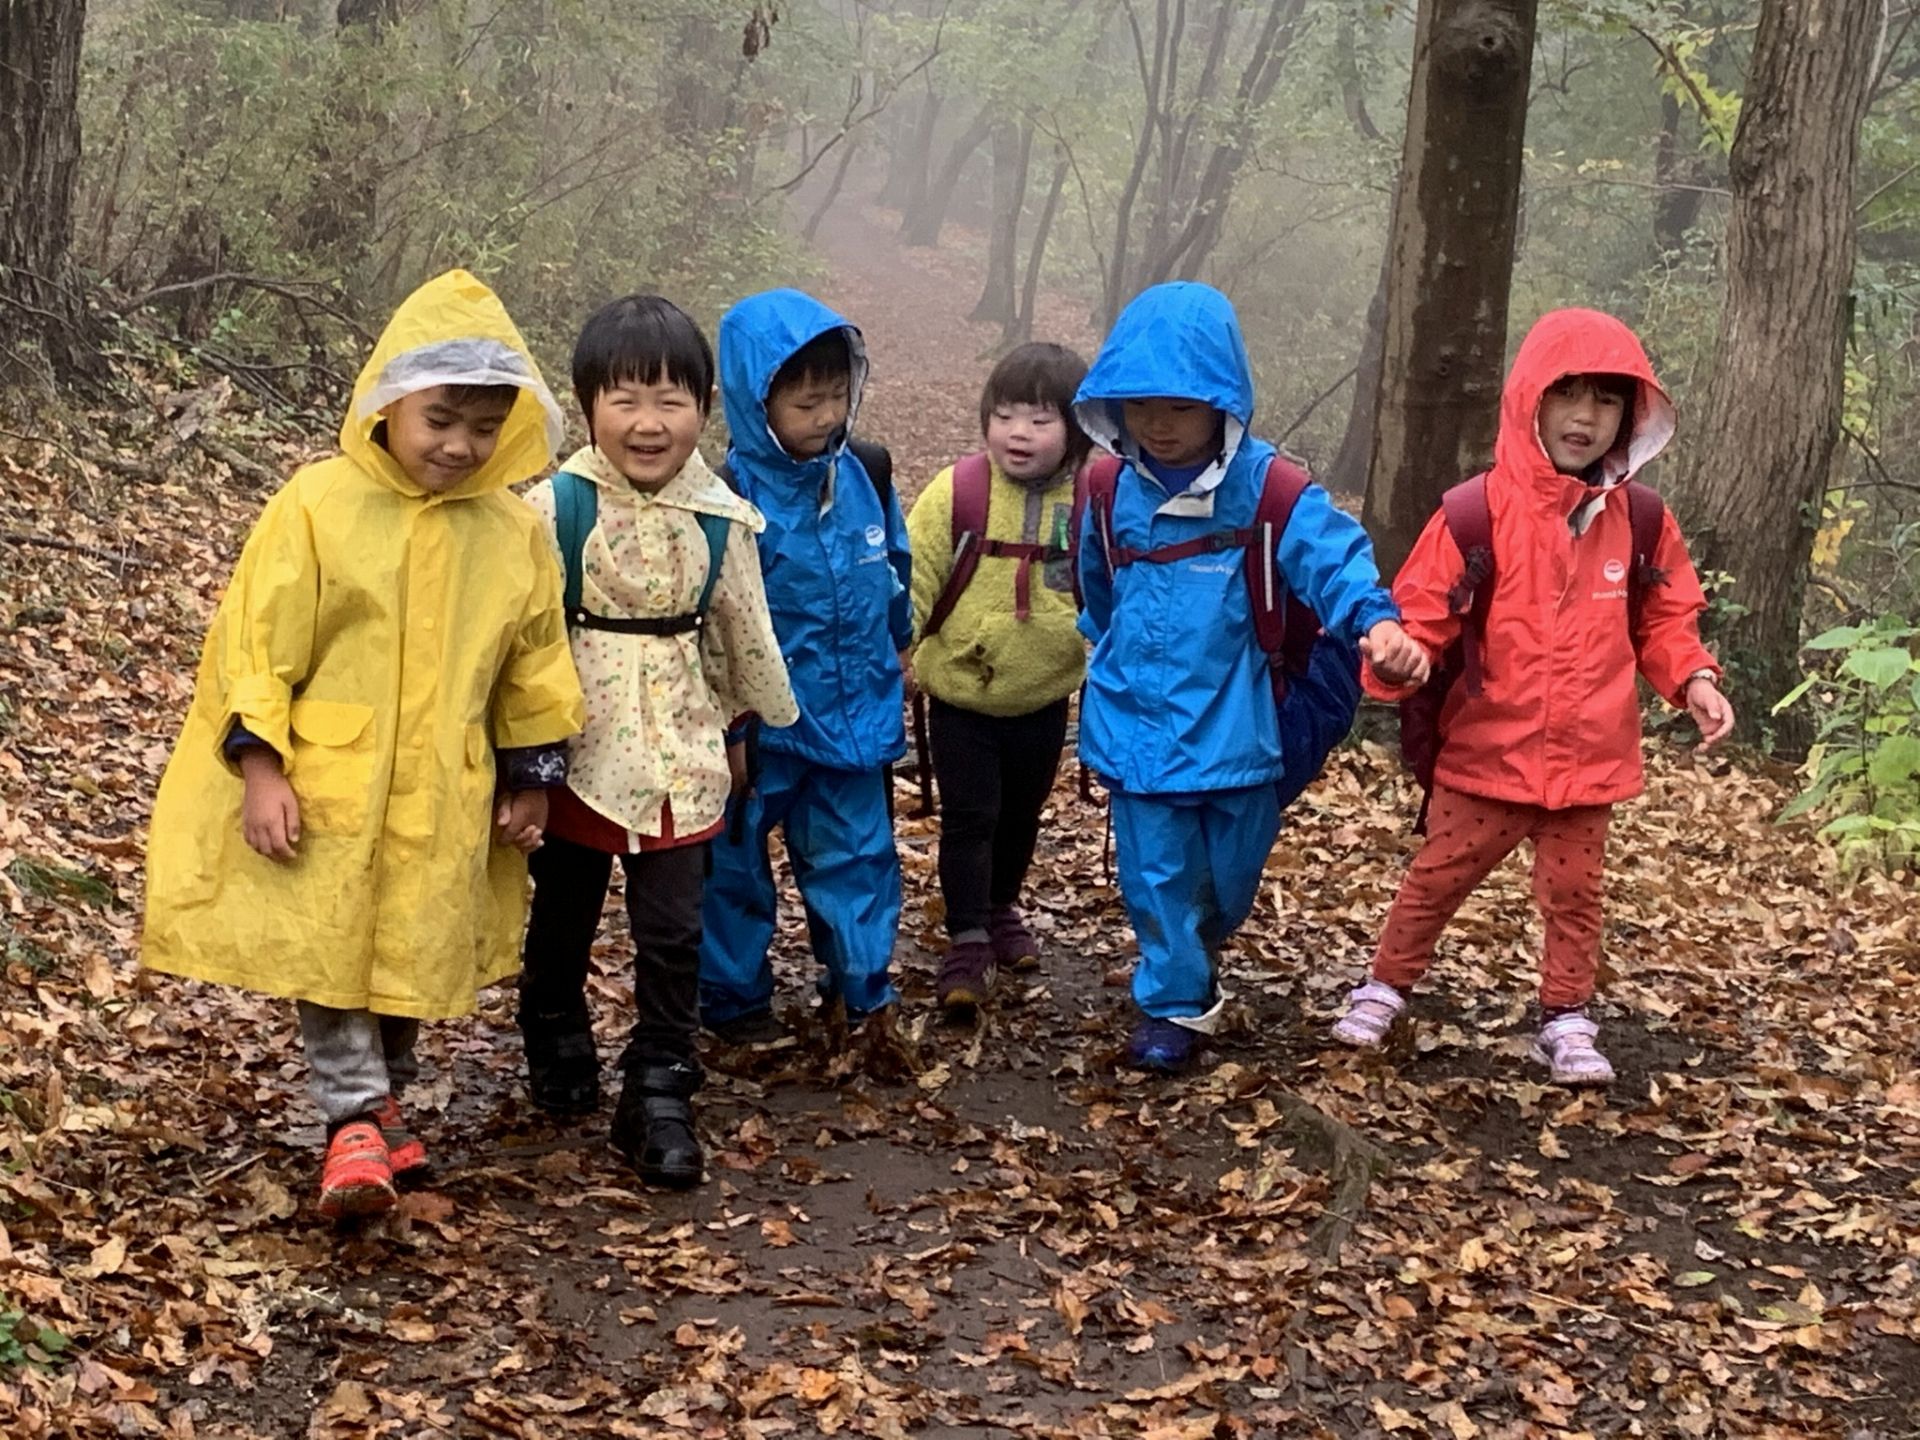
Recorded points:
(406,1151)
(357,1178)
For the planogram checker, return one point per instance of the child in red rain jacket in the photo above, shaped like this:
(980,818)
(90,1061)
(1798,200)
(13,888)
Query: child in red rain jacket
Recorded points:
(1549,741)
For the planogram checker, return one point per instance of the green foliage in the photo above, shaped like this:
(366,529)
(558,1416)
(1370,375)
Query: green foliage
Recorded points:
(50,880)
(25,1341)
(567,152)
(1863,773)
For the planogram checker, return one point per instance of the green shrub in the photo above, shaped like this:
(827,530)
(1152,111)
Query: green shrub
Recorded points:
(1863,772)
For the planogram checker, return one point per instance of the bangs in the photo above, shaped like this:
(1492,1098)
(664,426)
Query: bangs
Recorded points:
(641,340)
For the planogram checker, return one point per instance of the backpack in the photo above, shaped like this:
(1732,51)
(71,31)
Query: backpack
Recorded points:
(1283,625)
(1470,523)
(576,506)
(972,492)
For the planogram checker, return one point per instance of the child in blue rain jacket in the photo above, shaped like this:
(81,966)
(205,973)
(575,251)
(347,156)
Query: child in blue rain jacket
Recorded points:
(1179,719)
(835,558)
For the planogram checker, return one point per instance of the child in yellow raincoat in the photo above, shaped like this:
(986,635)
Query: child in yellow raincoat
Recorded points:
(380,707)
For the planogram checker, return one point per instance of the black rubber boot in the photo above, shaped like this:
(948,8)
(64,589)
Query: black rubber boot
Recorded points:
(563,1067)
(653,1127)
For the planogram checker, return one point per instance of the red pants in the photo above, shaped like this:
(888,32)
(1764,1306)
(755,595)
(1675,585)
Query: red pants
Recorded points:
(1466,838)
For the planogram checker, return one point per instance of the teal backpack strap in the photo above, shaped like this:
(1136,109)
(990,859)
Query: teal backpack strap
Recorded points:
(576,506)
(715,528)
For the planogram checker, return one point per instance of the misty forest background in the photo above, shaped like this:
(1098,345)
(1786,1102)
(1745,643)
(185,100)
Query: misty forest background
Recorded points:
(246,187)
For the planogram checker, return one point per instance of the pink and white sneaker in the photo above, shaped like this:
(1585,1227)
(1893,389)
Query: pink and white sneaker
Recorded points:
(1371,1011)
(1565,1046)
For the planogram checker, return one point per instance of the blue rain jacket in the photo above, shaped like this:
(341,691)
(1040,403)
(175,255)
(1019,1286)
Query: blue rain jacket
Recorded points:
(1179,699)
(835,559)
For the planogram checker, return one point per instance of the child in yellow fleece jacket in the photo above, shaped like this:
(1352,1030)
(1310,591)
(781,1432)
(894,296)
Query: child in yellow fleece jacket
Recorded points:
(998,653)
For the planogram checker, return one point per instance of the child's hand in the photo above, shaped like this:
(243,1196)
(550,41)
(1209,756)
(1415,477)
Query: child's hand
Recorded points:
(1711,710)
(737,769)
(1397,658)
(269,811)
(520,820)
(907,682)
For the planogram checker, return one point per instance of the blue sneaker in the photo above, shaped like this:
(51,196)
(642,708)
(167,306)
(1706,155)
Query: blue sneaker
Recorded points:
(1162,1046)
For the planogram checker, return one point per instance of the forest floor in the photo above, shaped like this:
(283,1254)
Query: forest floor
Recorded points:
(1023,1239)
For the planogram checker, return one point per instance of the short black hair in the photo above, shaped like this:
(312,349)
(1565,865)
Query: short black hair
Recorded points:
(828,357)
(1039,373)
(461,396)
(641,339)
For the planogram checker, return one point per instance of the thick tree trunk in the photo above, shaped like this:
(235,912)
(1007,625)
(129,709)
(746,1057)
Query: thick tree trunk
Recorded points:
(1450,262)
(921,224)
(41,305)
(1012,148)
(1764,451)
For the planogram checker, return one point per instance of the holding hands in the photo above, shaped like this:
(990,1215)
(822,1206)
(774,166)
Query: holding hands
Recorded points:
(1397,658)
(520,820)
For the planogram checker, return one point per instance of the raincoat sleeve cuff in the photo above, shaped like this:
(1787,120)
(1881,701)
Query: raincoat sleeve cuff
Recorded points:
(240,740)
(1372,611)
(1378,689)
(533,767)
(262,707)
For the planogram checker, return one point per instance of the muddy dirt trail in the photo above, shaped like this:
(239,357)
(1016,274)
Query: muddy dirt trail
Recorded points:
(1016,1237)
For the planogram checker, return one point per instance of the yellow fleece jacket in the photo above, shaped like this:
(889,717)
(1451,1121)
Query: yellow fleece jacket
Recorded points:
(985,658)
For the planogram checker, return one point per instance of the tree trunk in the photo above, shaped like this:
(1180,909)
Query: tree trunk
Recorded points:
(921,224)
(919,157)
(849,148)
(1347,475)
(1012,148)
(1765,448)
(1019,329)
(1450,262)
(41,302)
(1680,179)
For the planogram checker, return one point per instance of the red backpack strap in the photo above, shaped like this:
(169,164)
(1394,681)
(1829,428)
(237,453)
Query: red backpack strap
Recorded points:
(1647,515)
(1093,492)
(1283,626)
(972,489)
(1470,522)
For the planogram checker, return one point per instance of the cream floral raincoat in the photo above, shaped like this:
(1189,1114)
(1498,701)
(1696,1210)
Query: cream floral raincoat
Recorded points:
(658,705)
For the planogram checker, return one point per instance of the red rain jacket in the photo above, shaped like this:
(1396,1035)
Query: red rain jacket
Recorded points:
(1557,723)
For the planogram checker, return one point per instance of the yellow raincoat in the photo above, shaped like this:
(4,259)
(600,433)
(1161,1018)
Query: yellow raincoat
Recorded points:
(384,640)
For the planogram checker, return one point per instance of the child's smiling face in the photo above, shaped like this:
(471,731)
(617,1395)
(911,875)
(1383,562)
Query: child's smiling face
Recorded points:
(647,429)
(1580,417)
(1173,431)
(440,439)
(1027,442)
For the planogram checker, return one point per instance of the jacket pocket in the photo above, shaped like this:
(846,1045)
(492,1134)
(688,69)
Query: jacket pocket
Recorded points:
(478,782)
(333,767)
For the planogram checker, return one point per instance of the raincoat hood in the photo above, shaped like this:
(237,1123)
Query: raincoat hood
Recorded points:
(1580,342)
(757,337)
(453,330)
(1180,340)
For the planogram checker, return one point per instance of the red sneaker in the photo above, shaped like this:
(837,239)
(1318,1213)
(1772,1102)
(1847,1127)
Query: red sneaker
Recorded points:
(406,1151)
(357,1178)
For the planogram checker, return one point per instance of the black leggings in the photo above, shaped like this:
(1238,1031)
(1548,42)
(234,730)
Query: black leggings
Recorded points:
(664,889)
(994,773)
